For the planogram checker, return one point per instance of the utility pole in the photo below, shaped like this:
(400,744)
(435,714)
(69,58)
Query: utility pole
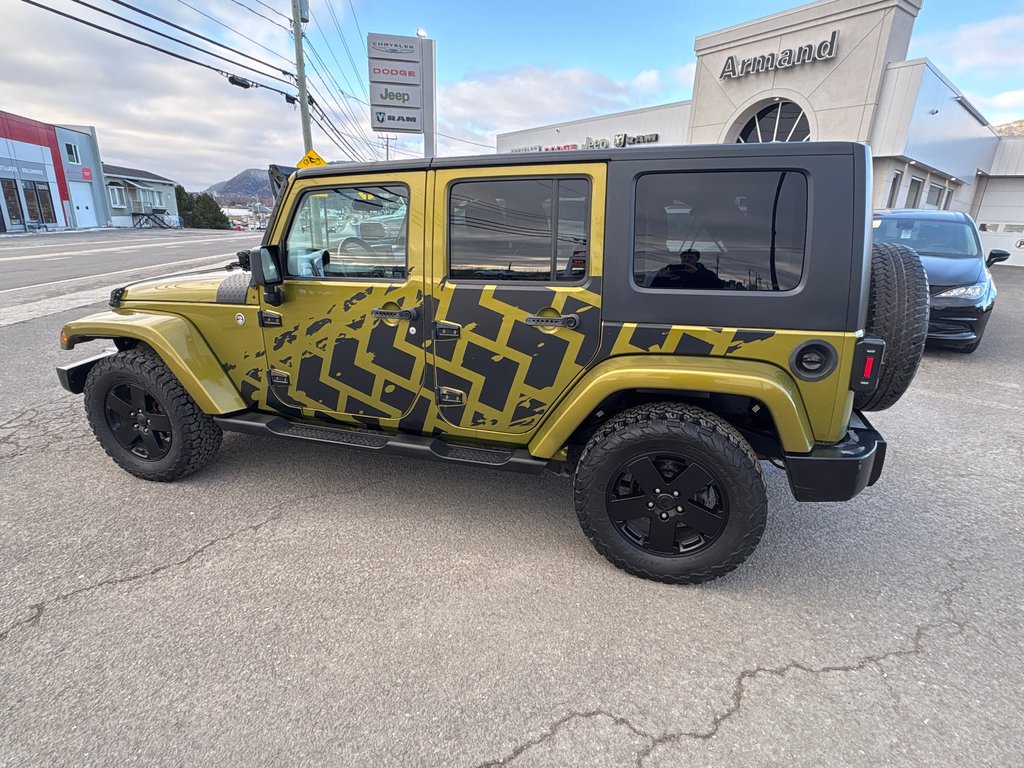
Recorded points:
(300,14)
(386,141)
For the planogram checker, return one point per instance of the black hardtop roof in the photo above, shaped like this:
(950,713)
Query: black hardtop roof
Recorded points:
(649,154)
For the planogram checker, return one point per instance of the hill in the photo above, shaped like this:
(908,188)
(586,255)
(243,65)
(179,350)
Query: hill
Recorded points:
(243,187)
(1016,128)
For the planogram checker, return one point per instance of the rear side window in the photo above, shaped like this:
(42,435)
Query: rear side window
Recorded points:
(720,230)
(519,229)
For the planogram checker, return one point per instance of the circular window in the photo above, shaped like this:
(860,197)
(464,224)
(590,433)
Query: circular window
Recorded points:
(779,121)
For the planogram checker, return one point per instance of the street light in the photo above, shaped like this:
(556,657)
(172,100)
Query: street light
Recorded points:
(421,33)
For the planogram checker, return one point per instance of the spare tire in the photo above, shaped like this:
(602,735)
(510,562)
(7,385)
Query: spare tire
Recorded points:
(897,313)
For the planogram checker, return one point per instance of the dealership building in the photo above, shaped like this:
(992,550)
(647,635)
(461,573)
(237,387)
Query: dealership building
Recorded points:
(832,70)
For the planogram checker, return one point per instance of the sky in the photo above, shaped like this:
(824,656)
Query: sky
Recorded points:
(500,67)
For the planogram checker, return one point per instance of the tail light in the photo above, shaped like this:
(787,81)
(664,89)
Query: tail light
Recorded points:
(867,364)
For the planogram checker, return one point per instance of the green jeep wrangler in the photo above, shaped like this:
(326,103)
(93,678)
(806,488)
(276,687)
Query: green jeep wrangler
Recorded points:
(653,322)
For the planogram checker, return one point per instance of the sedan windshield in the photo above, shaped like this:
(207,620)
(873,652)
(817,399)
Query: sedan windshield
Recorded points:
(935,238)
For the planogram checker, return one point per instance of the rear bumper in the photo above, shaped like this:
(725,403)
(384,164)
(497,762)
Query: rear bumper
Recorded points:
(841,471)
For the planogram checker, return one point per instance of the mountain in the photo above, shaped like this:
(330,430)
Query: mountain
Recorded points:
(1016,128)
(250,183)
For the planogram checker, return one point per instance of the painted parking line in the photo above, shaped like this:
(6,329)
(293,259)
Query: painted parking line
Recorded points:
(212,260)
(55,304)
(4,248)
(89,252)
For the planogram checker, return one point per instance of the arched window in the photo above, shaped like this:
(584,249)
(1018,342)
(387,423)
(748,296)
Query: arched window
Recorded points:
(779,121)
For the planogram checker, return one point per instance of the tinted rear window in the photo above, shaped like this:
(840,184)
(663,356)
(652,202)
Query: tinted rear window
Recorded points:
(721,230)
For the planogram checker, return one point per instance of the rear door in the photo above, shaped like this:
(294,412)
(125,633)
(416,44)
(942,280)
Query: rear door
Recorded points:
(346,342)
(515,290)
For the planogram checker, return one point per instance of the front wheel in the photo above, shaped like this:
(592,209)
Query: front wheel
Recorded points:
(145,420)
(671,492)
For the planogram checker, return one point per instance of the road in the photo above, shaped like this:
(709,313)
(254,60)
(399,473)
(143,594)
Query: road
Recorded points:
(297,605)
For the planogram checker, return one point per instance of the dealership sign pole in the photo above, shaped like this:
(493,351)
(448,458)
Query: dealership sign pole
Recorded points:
(402,87)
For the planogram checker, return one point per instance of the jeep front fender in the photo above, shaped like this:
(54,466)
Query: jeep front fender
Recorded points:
(178,343)
(760,381)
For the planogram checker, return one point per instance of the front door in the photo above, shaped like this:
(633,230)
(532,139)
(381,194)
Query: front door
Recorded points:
(346,342)
(516,290)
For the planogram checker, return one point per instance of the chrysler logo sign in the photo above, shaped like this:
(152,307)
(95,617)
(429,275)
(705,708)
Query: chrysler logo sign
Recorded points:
(393,47)
(784,59)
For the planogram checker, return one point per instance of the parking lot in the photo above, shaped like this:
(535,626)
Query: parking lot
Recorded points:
(302,605)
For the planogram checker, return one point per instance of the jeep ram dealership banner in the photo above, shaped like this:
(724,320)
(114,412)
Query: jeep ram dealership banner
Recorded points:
(401,83)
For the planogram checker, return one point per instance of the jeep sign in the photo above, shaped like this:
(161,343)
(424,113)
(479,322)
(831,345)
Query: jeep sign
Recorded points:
(385,95)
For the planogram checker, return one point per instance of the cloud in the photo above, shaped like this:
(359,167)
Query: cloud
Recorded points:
(986,47)
(189,124)
(1004,107)
(150,110)
(488,103)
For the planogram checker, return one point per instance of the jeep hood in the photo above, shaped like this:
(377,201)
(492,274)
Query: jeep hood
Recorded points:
(221,287)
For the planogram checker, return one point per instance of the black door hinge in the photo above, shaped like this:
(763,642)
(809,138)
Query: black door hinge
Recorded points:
(449,396)
(268,319)
(444,331)
(278,378)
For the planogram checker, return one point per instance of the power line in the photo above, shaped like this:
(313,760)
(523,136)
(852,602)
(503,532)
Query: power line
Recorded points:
(221,23)
(362,37)
(344,105)
(249,83)
(344,42)
(180,28)
(181,42)
(466,141)
(272,9)
(341,69)
(355,153)
(254,11)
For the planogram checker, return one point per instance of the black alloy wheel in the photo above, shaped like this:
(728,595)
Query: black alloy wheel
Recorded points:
(138,421)
(145,420)
(666,504)
(671,492)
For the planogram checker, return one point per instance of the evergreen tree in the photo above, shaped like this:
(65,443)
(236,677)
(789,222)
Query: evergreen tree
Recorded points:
(200,211)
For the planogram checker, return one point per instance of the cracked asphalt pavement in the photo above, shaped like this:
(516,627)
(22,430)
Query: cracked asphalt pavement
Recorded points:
(302,605)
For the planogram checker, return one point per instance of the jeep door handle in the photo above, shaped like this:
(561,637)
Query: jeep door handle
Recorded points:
(562,321)
(394,314)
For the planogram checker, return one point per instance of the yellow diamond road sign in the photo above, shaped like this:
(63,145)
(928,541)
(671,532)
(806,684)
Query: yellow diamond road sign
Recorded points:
(310,159)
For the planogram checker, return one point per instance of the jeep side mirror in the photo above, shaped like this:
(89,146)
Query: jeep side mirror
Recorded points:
(265,265)
(995,256)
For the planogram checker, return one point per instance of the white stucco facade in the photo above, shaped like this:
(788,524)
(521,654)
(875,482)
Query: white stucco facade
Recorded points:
(833,70)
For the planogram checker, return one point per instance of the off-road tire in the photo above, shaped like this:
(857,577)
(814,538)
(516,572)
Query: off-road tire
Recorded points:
(898,313)
(195,437)
(698,435)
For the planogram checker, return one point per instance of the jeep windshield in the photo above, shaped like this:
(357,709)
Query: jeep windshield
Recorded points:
(954,239)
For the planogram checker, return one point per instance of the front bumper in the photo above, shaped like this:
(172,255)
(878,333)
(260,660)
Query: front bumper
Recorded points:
(957,325)
(841,471)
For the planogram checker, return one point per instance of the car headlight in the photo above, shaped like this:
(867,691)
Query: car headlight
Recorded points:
(975,291)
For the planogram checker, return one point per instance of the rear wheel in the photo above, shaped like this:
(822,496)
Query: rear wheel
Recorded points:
(898,313)
(671,492)
(145,420)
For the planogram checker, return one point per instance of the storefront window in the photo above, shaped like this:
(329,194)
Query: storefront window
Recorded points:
(31,202)
(38,202)
(46,202)
(914,193)
(781,121)
(934,196)
(13,201)
(894,189)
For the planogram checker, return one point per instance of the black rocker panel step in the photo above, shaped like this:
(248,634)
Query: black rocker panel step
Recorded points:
(516,460)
